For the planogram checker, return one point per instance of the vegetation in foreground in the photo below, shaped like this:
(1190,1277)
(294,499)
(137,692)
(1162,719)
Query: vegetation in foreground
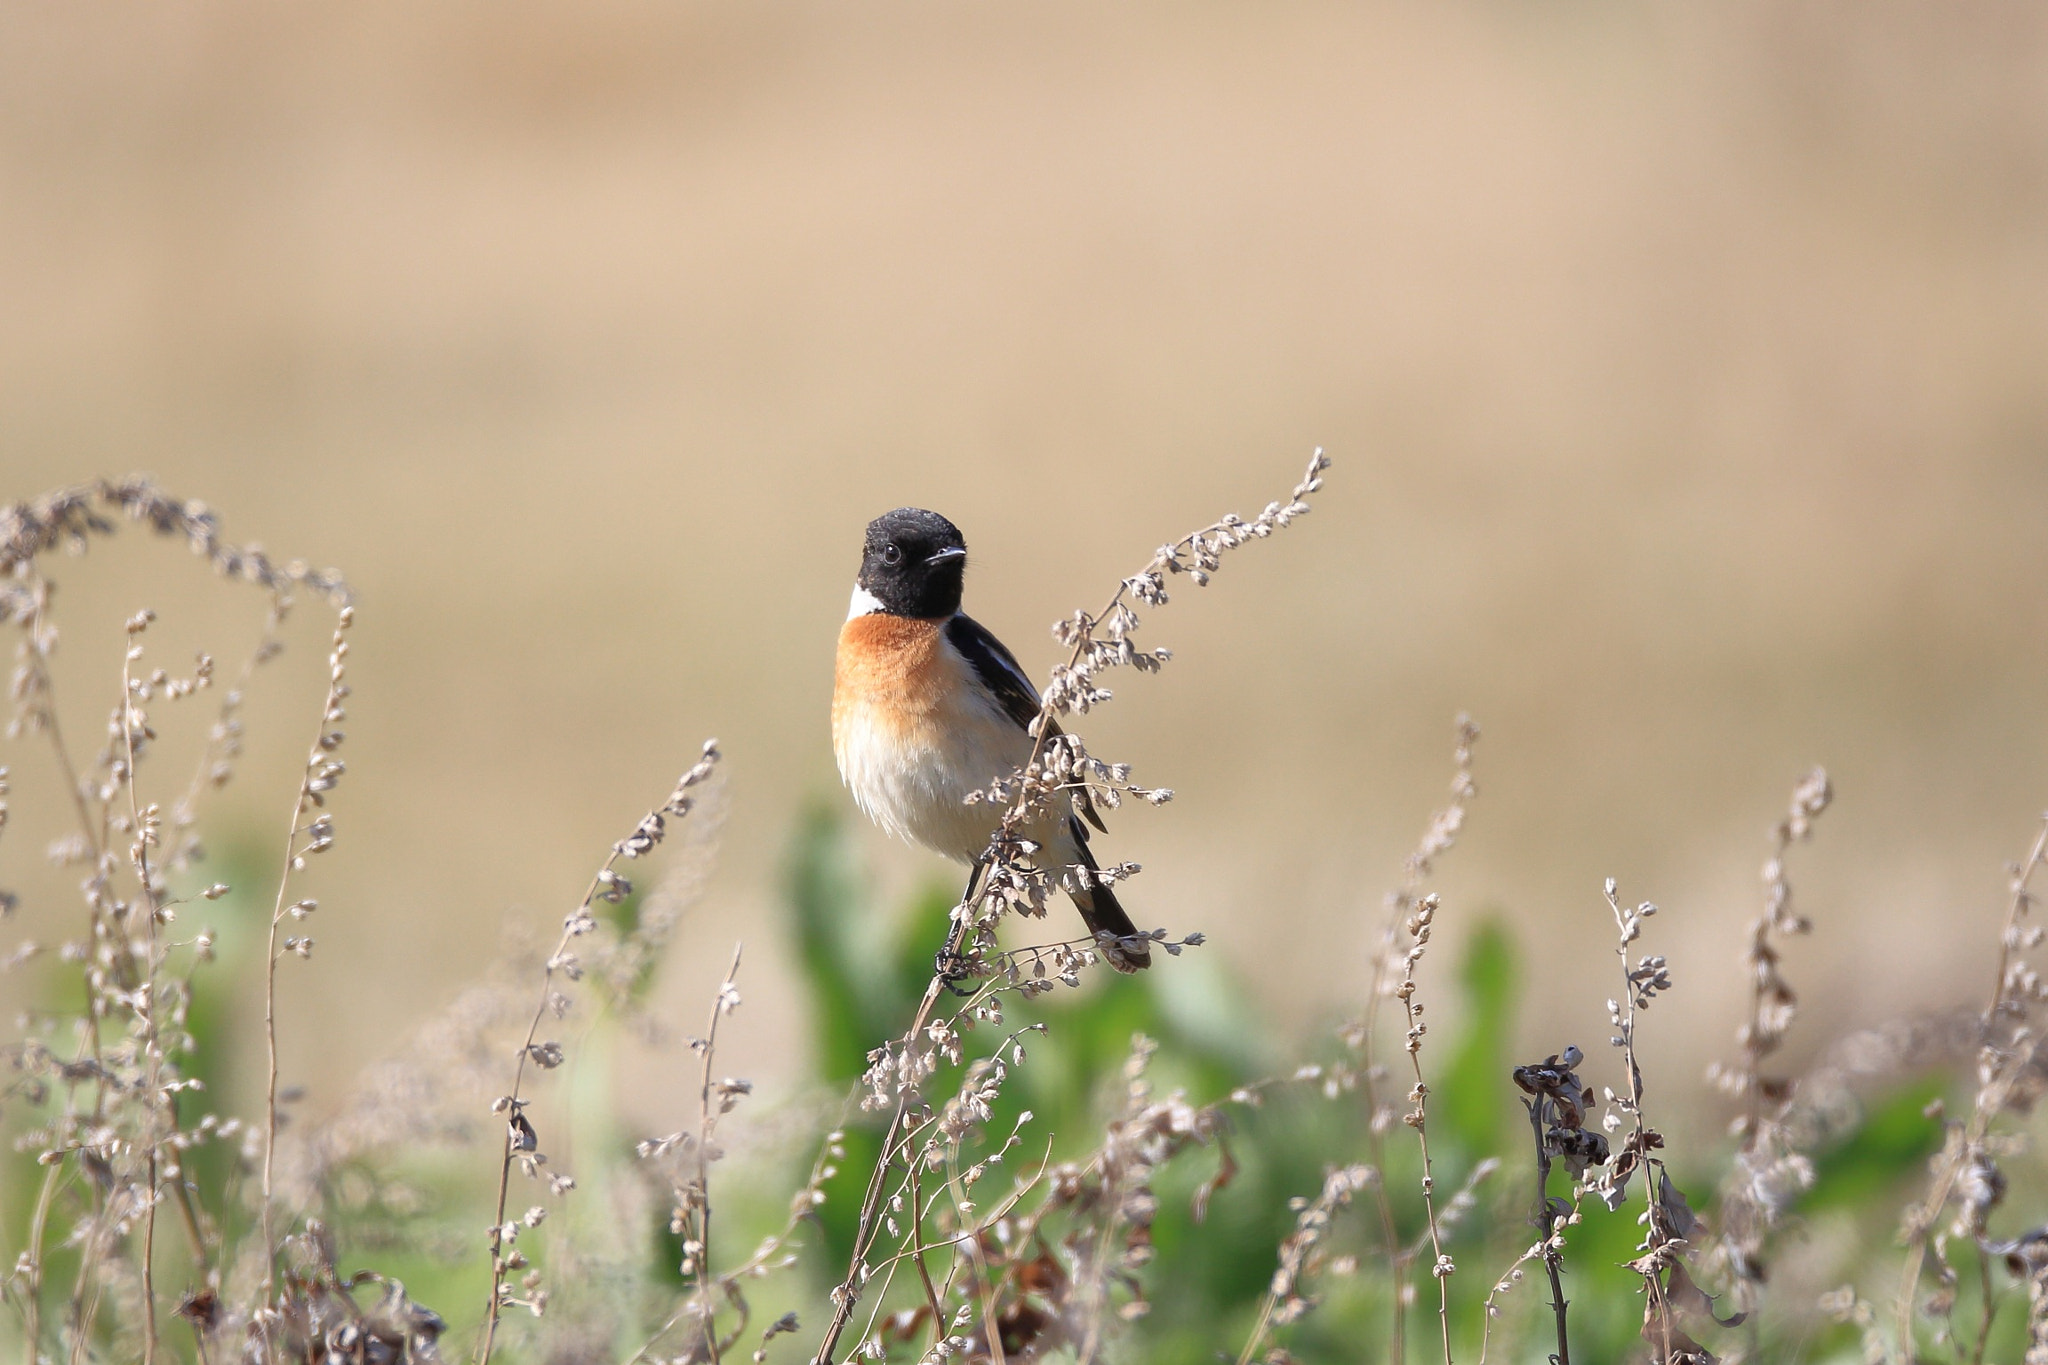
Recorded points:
(1014,1158)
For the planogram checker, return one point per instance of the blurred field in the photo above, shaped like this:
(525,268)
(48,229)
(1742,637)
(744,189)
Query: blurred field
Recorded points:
(1684,371)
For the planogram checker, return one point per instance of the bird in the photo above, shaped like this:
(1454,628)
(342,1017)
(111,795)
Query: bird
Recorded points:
(928,707)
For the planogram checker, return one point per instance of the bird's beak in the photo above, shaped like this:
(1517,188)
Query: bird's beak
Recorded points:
(951,552)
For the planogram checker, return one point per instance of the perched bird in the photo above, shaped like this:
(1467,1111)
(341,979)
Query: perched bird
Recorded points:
(927,706)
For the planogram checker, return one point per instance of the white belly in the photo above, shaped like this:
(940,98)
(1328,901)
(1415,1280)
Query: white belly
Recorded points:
(914,781)
(916,734)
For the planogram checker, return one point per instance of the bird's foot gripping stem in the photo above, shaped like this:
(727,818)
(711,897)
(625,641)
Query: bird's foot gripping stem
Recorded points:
(953,963)
(954,967)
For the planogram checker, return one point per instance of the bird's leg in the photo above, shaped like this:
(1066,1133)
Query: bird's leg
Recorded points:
(952,964)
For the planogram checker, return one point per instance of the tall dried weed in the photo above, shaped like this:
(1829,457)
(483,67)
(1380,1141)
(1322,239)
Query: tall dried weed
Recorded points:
(975,1231)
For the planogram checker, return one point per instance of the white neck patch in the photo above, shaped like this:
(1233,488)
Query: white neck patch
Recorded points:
(864,603)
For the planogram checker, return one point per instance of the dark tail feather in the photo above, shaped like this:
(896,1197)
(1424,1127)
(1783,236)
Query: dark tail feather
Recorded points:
(1102,913)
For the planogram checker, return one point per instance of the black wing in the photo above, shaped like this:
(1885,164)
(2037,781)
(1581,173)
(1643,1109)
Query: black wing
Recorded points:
(996,667)
(1004,677)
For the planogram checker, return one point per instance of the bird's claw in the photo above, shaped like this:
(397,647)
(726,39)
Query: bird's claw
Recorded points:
(952,968)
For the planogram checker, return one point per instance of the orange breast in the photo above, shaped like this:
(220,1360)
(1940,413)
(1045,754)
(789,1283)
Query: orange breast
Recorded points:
(891,675)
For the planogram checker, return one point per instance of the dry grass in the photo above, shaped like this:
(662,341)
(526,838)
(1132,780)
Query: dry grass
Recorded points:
(135,1247)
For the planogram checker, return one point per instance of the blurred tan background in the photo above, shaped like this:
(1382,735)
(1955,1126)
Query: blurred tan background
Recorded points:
(1686,371)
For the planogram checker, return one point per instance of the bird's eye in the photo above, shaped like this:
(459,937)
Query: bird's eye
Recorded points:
(892,555)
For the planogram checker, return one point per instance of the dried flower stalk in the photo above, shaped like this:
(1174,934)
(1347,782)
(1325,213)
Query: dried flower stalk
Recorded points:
(522,1141)
(1966,1169)
(119,1124)
(1769,1170)
(1005,879)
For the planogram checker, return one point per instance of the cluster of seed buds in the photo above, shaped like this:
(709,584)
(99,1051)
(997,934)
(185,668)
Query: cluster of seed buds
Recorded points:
(1769,1170)
(1419,921)
(1773,1003)
(1103,641)
(1442,833)
(680,802)
(974,1103)
(1012,885)
(1649,978)
(1064,765)
(2020,984)
(27,602)
(1394,960)
(1060,766)
(1110,1205)
(689,1179)
(1302,1254)
(1039,967)
(216,765)
(1671,1231)
(895,1070)
(1966,1171)
(323,772)
(69,517)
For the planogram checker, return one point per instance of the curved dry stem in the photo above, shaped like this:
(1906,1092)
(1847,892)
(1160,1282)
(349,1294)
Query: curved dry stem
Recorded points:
(520,1138)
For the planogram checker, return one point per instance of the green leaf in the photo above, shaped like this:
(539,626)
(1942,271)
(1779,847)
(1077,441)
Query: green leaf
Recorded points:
(1472,1100)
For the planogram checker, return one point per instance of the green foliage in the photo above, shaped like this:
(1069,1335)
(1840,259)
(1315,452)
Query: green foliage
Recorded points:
(1474,1111)
(1892,1143)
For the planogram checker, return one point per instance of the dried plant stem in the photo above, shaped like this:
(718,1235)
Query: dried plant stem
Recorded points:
(141,994)
(1418,1117)
(1371,1074)
(1990,1305)
(924,1274)
(706,1122)
(145,835)
(1771,1000)
(1310,1227)
(2014,937)
(802,1211)
(32,1315)
(1539,1250)
(992,1328)
(1261,1325)
(499,1259)
(221,742)
(1363,1036)
(293,860)
(1767,1166)
(2002,1067)
(520,1138)
(846,1295)
(41,682)
(1546,1223)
